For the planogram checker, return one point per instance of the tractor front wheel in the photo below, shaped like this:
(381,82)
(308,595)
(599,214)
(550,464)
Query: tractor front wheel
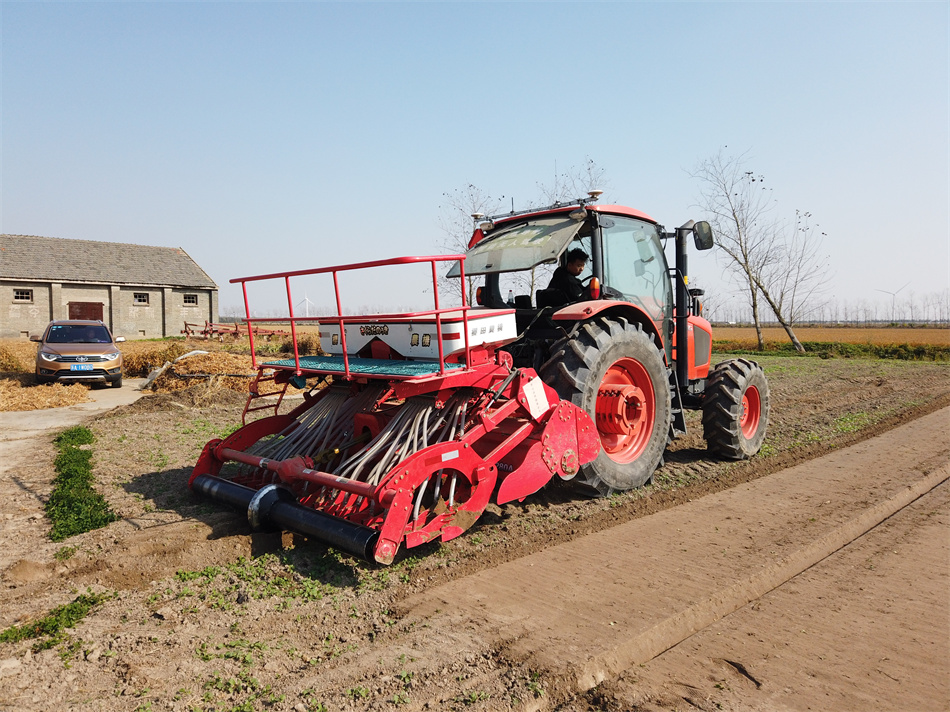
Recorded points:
(735,409)
(615,372)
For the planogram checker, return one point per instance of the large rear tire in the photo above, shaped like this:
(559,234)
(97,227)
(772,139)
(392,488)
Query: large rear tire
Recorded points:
(736,409)
(615,372)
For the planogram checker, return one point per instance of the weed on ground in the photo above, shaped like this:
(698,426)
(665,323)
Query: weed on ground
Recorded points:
(74,506)
(52,626)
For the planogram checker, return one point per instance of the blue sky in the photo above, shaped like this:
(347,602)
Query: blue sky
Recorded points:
(273,136)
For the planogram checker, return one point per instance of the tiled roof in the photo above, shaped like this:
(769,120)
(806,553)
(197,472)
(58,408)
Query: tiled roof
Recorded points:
(53,259)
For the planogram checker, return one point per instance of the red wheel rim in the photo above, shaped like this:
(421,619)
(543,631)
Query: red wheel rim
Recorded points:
(751,412)
(625,410)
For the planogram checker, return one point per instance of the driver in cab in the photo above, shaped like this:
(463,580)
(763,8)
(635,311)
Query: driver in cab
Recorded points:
(565,278)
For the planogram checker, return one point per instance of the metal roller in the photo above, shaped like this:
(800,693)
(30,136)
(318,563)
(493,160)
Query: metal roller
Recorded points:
(276,507)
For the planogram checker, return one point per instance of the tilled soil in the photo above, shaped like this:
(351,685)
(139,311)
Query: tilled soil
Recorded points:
(205,616)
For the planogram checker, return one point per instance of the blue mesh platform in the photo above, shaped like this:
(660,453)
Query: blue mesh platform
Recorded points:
(365,366)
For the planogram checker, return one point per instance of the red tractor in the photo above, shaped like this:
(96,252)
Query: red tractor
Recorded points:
(414,422)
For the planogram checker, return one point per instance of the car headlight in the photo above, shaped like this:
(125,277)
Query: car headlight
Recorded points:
(48,357)
(111,357)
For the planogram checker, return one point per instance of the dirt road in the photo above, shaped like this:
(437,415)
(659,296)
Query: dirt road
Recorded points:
(600,606)
(766,595)
(26,425)
(847,634)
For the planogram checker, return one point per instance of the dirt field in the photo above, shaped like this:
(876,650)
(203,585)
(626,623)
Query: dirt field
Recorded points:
(194,622)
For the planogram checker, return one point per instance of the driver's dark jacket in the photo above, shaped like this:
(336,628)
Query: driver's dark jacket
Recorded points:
(566,283)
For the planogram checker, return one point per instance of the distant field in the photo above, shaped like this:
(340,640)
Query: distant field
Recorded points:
(841,335)
(924,336)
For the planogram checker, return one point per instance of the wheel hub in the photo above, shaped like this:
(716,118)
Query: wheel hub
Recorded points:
(750,414)
(620,410)
(625,410)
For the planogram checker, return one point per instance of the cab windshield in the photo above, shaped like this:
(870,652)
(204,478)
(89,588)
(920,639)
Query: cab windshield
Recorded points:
(521,246)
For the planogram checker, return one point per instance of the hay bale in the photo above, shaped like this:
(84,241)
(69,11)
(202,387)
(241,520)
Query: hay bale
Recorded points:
(307,345)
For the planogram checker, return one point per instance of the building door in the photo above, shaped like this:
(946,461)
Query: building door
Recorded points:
(85,310)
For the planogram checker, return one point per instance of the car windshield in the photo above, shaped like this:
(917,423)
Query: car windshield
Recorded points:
(78,334)
(521,246)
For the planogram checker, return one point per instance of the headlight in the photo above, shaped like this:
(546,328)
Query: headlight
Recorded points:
(48,357)
(111,357)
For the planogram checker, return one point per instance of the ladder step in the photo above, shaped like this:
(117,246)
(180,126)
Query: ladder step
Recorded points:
(254,392)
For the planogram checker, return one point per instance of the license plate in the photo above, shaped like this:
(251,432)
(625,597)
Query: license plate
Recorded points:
(81,367)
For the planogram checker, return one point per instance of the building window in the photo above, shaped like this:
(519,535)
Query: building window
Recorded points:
(191,300)
(140,298)
(23,295)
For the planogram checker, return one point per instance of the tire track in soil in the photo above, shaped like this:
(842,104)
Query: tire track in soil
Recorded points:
(135,557)
(558,617)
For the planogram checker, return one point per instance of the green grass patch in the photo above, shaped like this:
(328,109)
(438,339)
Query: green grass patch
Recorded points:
(852,422)
(64,553)
(55,623)
(74,506)
(75,436)
(254,578)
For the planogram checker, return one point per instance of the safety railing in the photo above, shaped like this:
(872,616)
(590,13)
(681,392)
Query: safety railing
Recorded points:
(342,320)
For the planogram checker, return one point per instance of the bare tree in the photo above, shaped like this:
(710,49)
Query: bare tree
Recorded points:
(794,275)
(460,205)
(781,264)
(573,183)
(457,221)
(738,206)
(564,187)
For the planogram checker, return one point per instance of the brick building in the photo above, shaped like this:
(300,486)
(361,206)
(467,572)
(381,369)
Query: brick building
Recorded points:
(138,291)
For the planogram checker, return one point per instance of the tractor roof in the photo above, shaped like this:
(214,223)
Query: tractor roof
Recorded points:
(499,220)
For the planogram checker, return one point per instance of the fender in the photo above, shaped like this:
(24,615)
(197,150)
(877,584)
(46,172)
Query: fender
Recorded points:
(582,311)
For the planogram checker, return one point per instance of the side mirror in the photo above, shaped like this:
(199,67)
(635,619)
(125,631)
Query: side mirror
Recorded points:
(36,337)
(119,339)
(702,235)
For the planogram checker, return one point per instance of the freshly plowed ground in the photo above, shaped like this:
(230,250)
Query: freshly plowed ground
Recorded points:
(194,622)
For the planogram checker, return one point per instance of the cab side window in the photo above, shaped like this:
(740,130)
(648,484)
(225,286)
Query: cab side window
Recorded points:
(634,264)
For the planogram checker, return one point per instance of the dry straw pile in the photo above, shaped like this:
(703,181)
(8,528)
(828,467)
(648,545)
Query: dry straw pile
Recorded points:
(231,371)
(140,357)
(204,376)
(17,392)
(17,356)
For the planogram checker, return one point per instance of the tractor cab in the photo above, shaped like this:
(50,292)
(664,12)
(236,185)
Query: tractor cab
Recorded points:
(517,255)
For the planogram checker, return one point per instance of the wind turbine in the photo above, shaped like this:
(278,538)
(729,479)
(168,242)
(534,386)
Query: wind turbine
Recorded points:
(306,302)
(893,297)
